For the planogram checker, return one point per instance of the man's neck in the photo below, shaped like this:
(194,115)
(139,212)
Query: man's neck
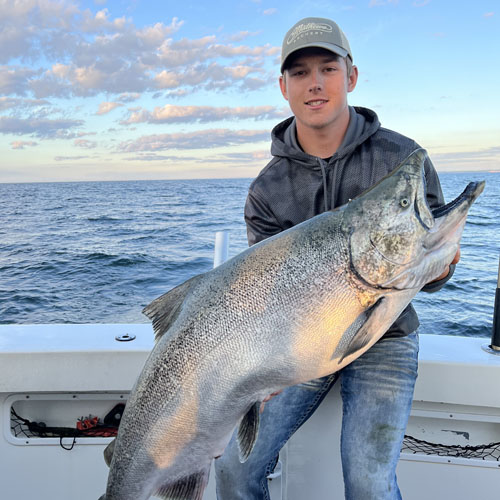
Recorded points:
(323,142)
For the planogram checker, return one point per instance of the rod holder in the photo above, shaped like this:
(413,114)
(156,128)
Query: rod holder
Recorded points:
(495,331)
(221,250)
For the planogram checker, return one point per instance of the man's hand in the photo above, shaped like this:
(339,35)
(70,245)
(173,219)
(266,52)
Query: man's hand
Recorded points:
(454,261)
(266,399)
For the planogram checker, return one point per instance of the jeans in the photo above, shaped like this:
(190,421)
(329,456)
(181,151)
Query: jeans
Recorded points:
(377,392)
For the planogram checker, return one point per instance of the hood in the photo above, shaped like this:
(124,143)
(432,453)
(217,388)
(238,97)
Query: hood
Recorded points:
(363,123)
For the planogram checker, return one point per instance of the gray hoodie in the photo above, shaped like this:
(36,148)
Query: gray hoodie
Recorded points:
(295,186)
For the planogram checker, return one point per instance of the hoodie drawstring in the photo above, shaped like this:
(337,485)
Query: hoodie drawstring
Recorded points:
(325,189)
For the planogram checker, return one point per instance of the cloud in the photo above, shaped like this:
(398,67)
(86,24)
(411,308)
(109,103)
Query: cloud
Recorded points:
(203,114)
(75,52)
(203,139)
(472,155)
(234,159)
(26,26)
(270,12)
(481,159)
(70,158)
(85,143)
(16,79)
(168,158)
(106,107)
(175,94)
(17,103)
(129,97)
(38,127)
(489,14)
(379,3)
(240,159)
(420,3)
(238,37)
(22,144)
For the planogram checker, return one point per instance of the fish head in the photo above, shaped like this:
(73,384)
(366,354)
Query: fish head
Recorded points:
(395,239)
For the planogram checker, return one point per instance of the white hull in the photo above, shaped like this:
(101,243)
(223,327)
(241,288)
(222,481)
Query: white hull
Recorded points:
(58,373)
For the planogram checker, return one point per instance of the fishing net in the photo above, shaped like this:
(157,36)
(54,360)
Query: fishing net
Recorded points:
(91,426)
(416,446)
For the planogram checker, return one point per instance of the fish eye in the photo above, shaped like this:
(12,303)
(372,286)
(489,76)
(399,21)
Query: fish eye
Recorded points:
(405,202)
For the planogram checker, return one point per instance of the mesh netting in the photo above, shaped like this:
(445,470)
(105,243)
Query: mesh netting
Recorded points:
(85,426)
(482,451)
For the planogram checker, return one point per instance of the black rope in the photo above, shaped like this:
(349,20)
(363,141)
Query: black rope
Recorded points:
(482,451)
(23,427)
(64,447)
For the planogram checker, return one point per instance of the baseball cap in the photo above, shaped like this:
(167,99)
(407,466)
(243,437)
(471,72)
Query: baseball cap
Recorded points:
(315,32)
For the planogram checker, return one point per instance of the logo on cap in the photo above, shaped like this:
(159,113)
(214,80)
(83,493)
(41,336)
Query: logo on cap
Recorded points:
(315,28)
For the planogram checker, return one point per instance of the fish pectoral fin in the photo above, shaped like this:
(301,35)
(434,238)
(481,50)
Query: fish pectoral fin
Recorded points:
(164,310)
(108,452)
(366,328)
(188,488)
(247,432)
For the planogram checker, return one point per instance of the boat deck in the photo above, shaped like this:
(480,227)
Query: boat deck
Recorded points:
(58,373)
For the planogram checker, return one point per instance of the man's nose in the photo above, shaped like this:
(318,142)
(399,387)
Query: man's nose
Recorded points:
(316,83)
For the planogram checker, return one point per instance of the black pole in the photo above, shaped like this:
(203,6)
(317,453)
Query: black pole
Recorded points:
(495,333)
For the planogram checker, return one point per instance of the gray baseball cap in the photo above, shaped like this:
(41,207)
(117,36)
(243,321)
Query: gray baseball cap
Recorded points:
(315,32)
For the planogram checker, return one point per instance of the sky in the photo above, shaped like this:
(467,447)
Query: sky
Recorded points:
(131,90)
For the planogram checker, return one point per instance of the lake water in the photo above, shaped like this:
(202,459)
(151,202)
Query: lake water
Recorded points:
(98,252)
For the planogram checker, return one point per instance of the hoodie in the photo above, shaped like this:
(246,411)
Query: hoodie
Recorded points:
(295,186)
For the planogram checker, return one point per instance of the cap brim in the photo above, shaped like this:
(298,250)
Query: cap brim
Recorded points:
(328,46)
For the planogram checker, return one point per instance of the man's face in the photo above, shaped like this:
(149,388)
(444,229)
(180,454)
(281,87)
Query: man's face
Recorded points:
(316,86)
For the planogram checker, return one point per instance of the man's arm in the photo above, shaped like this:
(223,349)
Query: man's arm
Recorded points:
(259,218)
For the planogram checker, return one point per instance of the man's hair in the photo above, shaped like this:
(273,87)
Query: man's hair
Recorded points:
(316,51)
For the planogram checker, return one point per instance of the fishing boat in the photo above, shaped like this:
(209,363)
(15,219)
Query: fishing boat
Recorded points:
(60,382)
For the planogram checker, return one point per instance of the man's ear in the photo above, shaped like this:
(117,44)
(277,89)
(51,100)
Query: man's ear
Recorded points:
(283,86)
(353,79)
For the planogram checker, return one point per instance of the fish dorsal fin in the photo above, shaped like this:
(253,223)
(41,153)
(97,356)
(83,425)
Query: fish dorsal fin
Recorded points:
(164,310)
(108,452)
(188,488)
(247,432)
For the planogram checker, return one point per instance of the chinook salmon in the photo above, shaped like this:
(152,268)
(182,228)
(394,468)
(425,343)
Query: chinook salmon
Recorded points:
(295,307)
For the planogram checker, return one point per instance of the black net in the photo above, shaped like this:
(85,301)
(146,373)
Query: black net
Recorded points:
(91,426)
(482,451)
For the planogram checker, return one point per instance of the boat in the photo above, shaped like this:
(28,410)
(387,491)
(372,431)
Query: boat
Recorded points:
(62,376)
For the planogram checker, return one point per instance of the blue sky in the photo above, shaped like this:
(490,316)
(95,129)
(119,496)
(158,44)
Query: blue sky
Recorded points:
(117,90)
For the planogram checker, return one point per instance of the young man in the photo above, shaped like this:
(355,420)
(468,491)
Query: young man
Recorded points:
(327,153)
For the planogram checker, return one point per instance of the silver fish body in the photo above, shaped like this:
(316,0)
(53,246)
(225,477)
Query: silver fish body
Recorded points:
(297,306)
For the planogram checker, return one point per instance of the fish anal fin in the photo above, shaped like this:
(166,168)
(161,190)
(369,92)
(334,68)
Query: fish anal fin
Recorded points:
(188,488)
(108,452)
(247,432)
(164,310)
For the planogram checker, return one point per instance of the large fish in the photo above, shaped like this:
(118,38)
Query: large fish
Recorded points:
(297,306)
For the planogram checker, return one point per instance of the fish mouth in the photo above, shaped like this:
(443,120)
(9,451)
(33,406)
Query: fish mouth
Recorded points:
(452,215)
(469,196)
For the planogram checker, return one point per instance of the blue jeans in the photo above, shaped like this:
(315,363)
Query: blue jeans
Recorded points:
(377,391)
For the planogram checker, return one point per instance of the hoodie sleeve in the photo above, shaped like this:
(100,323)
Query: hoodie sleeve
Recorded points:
(259,218)
(435,199)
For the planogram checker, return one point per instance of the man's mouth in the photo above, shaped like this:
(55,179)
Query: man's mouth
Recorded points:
(316,102)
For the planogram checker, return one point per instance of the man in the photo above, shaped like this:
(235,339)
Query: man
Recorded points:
(324,155)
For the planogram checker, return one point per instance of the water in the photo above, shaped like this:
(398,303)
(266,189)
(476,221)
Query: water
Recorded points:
(98,252)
